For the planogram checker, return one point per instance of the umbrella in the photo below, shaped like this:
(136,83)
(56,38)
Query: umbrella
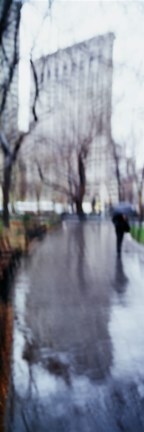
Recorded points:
(125,208)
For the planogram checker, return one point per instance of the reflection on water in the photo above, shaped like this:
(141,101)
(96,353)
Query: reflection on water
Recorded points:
(127,322)
(61,346)
(77,351)
(120,280)
(6,319)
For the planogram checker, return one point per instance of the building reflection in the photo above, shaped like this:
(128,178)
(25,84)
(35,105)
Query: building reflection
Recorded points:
(89,313)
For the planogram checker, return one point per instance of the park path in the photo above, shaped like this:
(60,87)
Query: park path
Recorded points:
(78,351)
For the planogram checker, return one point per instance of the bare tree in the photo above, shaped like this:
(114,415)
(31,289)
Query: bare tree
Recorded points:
(10,137)
(65,169)
(9,55)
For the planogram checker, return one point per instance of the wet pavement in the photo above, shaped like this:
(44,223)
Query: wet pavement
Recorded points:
(78,344)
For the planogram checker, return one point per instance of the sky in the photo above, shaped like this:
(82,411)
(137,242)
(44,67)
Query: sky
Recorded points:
(71,21)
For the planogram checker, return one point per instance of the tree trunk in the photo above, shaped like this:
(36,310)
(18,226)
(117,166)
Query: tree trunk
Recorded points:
(82,183)
(120,191)
(70,201)
(38,203)
(79,209)
(6,193)
(118,173)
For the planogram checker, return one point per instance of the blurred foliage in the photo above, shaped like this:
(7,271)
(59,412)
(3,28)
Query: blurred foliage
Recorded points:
(138,233)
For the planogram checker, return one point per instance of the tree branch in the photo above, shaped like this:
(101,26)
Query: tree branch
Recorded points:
(5,145)
(4,17)
(53,185)
(13,64)
(36,90)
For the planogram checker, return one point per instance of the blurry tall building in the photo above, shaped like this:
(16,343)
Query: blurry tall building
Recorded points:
(71,98)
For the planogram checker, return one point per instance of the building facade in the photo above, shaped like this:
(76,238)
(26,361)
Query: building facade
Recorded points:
(71,99)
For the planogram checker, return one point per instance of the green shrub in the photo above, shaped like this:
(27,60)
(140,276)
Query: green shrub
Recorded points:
(137,233)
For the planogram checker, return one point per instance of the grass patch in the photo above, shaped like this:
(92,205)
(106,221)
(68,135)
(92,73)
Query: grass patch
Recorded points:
(138,233)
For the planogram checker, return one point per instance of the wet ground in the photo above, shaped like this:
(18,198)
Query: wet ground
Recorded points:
(78,352)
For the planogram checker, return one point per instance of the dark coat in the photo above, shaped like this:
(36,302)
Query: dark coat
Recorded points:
(121,223)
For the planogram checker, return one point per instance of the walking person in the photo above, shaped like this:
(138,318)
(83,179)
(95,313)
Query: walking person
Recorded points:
(121,226)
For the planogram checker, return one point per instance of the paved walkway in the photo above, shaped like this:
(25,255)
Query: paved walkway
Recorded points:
(78,355)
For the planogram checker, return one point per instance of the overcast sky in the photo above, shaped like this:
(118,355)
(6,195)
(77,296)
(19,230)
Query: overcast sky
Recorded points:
(73,21)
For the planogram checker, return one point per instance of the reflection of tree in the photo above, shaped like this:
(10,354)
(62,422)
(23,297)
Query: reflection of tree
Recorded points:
(89,311)
(81,257)
(6,318)
(72,341)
